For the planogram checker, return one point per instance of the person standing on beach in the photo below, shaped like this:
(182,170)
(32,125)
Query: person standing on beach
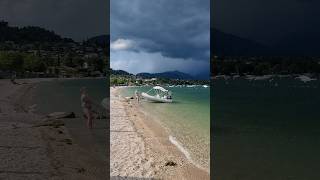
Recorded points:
(86,105)
(13,77)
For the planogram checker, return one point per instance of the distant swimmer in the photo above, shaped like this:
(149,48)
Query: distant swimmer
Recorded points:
(86,104)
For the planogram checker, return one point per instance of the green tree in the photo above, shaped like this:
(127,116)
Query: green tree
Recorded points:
(34,63)
(12,61)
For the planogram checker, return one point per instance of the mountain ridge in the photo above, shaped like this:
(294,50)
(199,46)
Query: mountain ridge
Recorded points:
(32,34)
(225,44)
(28,34)
(167,74)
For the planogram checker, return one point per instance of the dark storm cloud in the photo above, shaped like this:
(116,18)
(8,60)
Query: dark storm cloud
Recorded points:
(268,21)
(175,28)
(77,19)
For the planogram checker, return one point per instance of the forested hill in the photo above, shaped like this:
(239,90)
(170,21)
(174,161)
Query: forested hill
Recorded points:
(29,34)
(167,74)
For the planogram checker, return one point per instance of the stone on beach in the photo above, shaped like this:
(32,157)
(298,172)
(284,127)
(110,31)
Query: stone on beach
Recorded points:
(52,123)
(170,163)
(60,115)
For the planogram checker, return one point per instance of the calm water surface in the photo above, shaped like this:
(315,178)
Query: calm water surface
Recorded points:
(64,95)
(266,129)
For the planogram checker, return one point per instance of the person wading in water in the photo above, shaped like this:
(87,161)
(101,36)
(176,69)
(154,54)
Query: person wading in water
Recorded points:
(86,104)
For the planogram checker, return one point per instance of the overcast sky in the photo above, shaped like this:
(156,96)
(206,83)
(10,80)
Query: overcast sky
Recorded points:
(77,19)
(157,36)
(268,21)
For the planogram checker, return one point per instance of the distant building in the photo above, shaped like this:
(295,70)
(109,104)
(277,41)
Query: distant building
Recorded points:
(150,80)
(91,55)
(85,65)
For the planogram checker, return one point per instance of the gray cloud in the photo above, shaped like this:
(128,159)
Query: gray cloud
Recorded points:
(176,29)
(77,19)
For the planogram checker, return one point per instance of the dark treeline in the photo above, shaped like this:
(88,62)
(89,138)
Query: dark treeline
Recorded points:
(264,65)
(22,62)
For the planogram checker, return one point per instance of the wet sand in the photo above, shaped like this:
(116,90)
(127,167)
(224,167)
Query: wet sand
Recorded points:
(35,147)
(140,147)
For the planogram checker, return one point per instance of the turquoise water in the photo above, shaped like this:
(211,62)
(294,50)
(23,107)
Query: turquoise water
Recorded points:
(187,119)
(64,95)
(266,129)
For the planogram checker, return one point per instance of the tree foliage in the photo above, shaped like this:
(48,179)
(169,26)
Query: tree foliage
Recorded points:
(20,62)
(264,65)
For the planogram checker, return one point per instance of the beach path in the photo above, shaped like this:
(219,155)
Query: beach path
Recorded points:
(127,148)
(22,151)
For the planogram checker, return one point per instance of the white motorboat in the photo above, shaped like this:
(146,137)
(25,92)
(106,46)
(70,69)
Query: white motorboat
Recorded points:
(305,78)
(158,94)
(191,86)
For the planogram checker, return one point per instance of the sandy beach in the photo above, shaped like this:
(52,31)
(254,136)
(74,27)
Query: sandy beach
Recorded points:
(35,147)
(140,147)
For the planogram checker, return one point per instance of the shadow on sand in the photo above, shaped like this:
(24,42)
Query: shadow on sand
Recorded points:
(130,178)
(173,102)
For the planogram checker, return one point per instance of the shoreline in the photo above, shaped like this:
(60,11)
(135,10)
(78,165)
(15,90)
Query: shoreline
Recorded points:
(40,147)
(159,145)
(173,139)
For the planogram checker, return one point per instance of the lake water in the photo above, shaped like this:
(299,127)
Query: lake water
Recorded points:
(187,119)
(64,95)
(266,129)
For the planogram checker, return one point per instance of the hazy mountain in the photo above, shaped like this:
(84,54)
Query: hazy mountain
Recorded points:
(168,74)
(223,44)
(120,72)
(202,76)
(297,44)
(292,44)
(102,40)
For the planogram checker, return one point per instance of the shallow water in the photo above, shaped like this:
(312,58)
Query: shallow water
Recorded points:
(187,119)
(64,95)
(266,129)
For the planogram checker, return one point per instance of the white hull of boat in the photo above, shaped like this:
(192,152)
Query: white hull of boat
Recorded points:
(155,99)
